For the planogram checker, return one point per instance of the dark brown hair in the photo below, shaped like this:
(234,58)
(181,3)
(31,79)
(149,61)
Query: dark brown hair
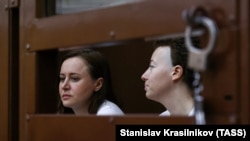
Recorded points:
(179,56)
(97,67)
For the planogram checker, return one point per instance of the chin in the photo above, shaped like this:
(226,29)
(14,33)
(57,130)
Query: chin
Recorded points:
(149,96)
(66,104)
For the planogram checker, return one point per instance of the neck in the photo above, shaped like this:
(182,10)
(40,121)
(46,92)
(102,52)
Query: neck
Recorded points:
(180,101)
(81,110)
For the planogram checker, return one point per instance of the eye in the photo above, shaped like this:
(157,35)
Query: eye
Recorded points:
(75,78)
(151,66)
(61,78)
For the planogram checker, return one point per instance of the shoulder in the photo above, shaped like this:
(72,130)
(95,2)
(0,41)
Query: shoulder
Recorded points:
(109,108)
(191,113)
(165,113)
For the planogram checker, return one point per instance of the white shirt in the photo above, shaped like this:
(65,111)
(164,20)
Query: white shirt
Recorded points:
(109,108)
(167,113)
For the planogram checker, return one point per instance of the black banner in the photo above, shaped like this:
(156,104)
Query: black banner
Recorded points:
(163,132)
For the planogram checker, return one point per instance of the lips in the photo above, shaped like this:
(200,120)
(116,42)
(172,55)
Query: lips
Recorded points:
(66,96)
(145,87)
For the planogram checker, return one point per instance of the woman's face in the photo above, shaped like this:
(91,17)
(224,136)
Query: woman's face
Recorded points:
(76,85)
(158,77)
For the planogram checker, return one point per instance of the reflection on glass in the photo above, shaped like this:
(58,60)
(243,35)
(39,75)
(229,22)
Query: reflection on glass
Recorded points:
(71,6)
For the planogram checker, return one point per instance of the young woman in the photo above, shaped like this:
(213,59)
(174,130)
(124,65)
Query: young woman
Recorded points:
(85,84)
(168,80)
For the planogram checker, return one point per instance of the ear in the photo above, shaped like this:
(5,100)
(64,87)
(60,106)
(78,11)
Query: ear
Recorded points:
(177,72)
(98,84)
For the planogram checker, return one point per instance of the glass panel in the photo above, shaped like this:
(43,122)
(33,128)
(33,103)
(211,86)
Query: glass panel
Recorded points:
(71,6)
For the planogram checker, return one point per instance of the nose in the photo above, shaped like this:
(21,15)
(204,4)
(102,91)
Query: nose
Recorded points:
(65,85)
(144,76)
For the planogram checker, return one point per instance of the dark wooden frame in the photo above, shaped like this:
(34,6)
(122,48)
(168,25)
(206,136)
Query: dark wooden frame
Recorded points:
(4,72)
(227,99)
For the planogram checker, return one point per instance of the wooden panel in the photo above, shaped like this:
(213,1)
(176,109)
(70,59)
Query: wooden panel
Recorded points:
(226,119)
(137,20)
(27,98)
(244,60)
(218,91)
(146,119)
(89,128)
(69,128)
(4,72)
(226,83)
